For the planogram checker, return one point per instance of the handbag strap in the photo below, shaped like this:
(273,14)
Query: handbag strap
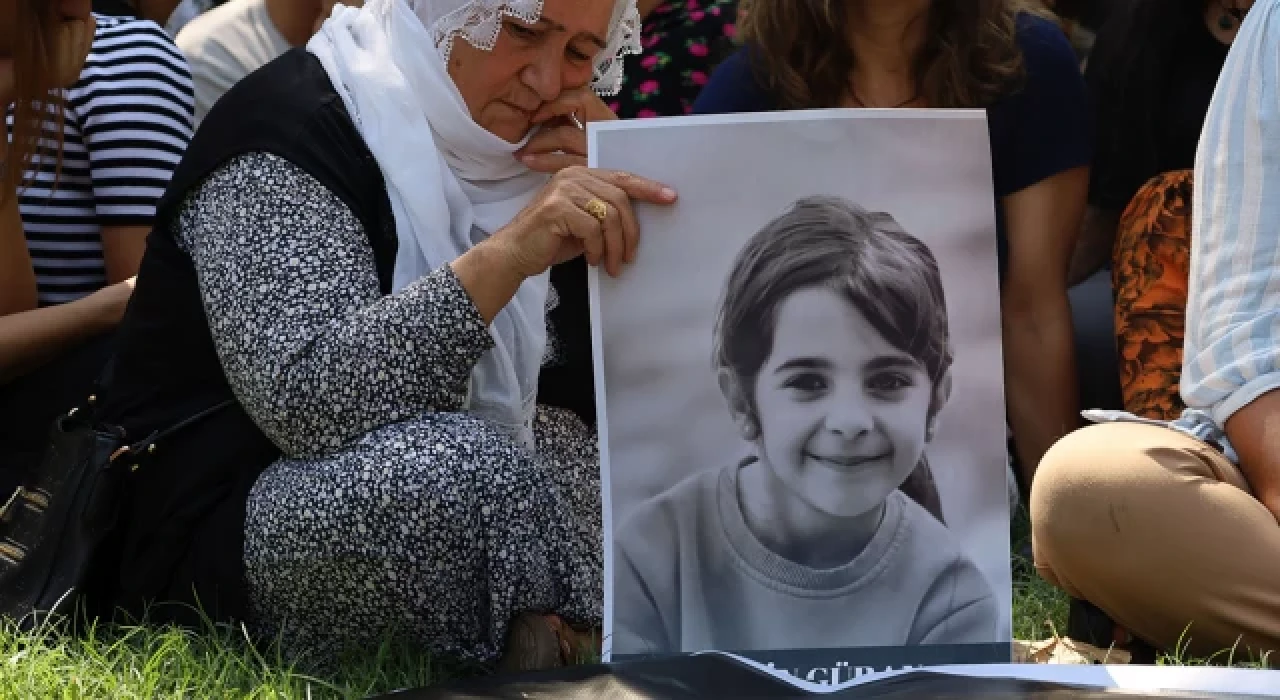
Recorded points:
(148,443)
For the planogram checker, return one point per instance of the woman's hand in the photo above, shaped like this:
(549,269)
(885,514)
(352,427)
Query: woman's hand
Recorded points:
(560,144)
(558,226)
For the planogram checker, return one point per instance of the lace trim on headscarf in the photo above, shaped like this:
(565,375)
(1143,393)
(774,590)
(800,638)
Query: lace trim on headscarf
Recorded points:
(479,21)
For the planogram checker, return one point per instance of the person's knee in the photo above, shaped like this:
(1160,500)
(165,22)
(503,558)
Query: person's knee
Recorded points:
(1078,483)
(1097,490)
(1073,468)
(461,453)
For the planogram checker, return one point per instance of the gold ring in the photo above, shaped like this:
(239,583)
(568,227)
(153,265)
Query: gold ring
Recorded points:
(597,208)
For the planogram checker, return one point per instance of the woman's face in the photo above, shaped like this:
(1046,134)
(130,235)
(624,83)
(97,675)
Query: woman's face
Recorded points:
(843,415)
(67,11)
(531,64)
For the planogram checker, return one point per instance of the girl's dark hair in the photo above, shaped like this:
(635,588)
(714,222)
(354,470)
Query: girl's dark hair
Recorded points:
(1136,45)
(970,57)
(828,242)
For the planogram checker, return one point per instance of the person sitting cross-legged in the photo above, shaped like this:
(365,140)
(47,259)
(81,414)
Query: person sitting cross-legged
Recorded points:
(1172,528)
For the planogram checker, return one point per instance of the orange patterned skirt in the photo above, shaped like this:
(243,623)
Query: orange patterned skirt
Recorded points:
(1151,263)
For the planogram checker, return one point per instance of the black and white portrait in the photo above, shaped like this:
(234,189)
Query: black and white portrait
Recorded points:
(800,392)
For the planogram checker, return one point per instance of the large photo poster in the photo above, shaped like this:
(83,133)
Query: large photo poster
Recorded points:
(800,394)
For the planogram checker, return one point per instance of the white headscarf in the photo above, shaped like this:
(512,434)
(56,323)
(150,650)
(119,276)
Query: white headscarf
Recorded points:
(452,183)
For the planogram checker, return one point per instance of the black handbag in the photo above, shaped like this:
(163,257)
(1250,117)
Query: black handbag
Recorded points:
(53,526)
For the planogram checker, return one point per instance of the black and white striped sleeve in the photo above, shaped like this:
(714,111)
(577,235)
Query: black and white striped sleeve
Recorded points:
(136,106)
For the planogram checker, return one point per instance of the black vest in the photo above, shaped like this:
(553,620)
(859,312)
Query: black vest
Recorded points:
(183,531)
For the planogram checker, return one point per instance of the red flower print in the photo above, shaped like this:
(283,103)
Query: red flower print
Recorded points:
(698,49)
(649,62)
(697,77)
(697,15)
(648,87)
(646,113)
(730,31)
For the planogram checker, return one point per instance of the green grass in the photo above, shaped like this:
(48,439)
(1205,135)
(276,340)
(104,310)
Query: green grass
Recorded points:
(1039,609)
(136,662)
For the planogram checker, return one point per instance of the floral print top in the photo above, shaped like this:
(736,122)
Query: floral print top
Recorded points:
(683,41)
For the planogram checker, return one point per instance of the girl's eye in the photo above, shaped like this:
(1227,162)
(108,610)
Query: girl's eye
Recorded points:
(806,383)
(578,56)
(520,31)
(890,382)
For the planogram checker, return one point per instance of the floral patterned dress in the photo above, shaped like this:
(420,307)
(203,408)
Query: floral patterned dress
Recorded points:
(683,42)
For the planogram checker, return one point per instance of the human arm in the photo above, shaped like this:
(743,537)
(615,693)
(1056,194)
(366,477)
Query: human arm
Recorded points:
(1254,432)
(317,355)
(1231,352)
(1096,245)
(122,249)
(314,351)
(1039,350)
(30,338)
(29,335)
(1041,153)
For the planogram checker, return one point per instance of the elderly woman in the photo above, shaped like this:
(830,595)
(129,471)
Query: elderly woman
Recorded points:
(356,252)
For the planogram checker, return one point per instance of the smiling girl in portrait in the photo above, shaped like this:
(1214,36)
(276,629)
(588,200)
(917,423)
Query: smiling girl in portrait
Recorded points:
(833,352)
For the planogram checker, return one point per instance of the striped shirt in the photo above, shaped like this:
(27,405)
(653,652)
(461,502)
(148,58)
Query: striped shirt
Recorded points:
(1231,351)
(128,120)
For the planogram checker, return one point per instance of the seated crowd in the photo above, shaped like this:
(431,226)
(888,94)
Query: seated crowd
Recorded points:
(218,208)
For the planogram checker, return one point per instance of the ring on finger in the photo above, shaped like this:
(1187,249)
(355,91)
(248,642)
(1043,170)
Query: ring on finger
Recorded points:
(597,208)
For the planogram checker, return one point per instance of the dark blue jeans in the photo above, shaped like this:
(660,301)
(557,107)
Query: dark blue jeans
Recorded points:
(1097,360)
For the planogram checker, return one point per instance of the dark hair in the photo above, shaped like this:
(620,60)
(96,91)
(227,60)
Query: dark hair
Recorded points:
(828,242)
(970,56)
(37,101)
(1135,46)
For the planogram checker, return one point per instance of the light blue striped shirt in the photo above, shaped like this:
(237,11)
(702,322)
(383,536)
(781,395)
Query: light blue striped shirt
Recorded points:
(1231,353)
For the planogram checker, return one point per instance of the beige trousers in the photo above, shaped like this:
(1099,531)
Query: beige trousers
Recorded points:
(1160,531)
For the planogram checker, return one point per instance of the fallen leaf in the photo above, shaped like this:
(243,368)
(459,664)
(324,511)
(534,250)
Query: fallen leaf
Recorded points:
(1064,650)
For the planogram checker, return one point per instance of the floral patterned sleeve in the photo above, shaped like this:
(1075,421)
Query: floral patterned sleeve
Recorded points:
(313,350)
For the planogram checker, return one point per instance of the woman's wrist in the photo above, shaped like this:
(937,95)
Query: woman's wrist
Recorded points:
(491,274)
(106,307)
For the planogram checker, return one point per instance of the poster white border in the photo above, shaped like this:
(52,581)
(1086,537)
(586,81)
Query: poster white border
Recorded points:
(593,287)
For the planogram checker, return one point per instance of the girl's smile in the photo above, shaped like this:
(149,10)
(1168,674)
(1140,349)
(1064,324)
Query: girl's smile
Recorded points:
(839,462)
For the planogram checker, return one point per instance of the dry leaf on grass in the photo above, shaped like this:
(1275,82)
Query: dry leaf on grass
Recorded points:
(1064,650)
